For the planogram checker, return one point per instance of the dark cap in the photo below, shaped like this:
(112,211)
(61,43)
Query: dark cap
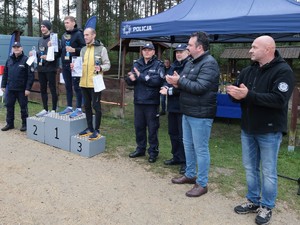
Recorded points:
(47,24)
(16,44)
(181,47)
(149,46)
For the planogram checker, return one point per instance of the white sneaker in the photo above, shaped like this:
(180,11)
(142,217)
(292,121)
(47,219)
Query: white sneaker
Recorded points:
(42,113)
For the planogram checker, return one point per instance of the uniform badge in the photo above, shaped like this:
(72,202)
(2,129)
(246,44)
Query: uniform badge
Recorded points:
(283,87)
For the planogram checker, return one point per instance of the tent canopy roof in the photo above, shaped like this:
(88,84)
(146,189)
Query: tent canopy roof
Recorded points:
(224,21)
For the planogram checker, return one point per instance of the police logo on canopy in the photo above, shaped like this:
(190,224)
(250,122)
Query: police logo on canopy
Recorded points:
(283,87)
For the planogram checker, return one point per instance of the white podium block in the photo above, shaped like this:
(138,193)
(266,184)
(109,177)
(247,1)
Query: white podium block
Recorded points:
(59,129)
(84,147)
(36,128)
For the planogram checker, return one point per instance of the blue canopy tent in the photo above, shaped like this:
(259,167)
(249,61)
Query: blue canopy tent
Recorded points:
(223,20)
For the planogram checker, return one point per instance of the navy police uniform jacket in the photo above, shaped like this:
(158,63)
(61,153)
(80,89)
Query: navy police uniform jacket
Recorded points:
(147,85)
(264,110)
(173,93)
(18,76)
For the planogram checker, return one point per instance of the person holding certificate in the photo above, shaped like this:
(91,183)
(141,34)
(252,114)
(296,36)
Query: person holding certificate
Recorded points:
(72,42)
(95,62)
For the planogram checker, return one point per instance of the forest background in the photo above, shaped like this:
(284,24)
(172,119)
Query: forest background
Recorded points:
(27,15)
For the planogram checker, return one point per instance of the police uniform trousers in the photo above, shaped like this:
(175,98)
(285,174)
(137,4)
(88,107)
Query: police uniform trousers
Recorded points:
(11,98)
(175,133)
(146,116)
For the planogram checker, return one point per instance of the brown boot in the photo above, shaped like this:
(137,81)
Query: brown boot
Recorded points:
(196,191)
(184,180)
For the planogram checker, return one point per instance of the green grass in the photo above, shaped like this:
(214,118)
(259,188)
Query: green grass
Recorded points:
(226,173)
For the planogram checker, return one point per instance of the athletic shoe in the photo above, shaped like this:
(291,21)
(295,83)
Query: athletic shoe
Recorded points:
(85,132)
(77,112)
(66,111)
(264,216)
(42,113)
(95,135)
(247,207)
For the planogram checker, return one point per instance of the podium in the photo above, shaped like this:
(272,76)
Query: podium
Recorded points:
(61,131)
(60,128)
(36,128)
(84,147)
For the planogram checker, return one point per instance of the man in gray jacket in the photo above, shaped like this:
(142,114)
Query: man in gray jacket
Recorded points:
(198,85)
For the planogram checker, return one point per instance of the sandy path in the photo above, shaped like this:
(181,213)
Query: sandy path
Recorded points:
(40,184)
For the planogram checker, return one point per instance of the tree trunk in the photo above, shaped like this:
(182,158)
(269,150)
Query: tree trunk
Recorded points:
(29,17)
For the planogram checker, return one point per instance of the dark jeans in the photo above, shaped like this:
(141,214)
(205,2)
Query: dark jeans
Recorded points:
(50,79)
(175,133)
(11,98)
(92,99)
(146,116)
(71,82)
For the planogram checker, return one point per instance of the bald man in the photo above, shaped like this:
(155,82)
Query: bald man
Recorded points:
(264,90)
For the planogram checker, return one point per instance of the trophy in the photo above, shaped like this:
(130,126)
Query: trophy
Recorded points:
(42,49)
(98,62)
(68,43)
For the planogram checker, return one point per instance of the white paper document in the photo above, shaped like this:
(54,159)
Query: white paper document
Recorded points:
(50,54)
(31,58)
(54,41)
(98,83)
(77,69)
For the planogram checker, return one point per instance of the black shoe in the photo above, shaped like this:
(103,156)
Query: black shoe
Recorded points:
(7,127)
(152,159)
(172,161)
(162,113)
(247,207)
(182,169)
(136,154)
(23,128)
(264,216)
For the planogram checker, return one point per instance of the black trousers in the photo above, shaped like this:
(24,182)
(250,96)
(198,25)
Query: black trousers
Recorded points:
(48,78)
(146,116)
(11,98)
(175,133)
(92,99)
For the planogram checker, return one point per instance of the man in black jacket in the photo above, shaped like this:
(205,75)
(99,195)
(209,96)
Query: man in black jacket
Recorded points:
(264,90)
(198,85)
(72,42)
(46,69)
(147,77)
(16,83)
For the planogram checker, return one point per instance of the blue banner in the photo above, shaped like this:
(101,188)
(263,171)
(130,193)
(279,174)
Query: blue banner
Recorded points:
(91,22)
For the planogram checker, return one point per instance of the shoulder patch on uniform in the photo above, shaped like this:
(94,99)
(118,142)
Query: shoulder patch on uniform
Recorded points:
(283,87)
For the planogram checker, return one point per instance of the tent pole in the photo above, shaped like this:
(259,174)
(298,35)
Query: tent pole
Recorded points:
(120,56)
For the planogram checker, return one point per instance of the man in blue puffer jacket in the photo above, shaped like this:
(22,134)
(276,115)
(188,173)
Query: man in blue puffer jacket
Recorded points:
(147,77)
(16,83)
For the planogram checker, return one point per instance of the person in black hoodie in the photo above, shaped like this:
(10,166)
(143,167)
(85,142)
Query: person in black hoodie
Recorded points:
(264,90)
(173,108)
(46,69)
(16,82)
(147,77)
(72,42)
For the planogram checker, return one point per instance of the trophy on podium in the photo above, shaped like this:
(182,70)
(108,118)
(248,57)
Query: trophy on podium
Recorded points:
(68,43)
(42,49)
(98,62)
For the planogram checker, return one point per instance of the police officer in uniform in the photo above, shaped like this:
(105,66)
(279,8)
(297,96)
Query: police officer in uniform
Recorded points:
(17,81)
(147,76)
